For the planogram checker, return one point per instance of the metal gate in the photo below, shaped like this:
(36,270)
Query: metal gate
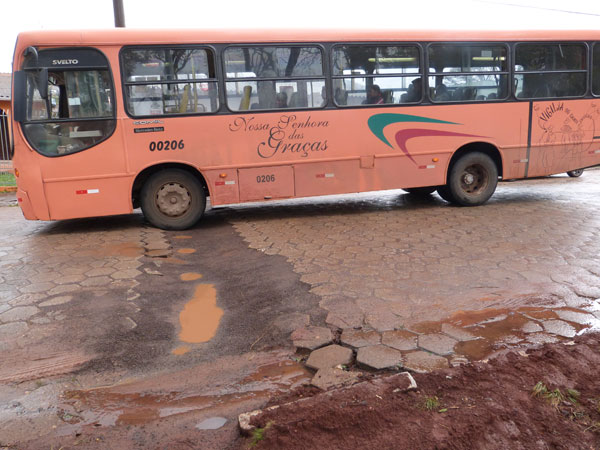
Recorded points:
(5,162)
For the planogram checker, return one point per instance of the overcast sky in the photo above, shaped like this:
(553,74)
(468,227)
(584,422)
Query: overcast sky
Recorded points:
(21,15)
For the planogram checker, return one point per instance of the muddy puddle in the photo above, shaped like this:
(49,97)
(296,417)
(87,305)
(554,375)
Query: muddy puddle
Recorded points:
(200,317)
(109,407)
(480,334)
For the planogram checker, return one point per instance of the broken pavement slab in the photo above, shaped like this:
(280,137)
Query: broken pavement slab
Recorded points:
(312,338)
(423,362)
(360,338)
(531,327)
(559,328)
(329,377)
(379,357)
(459,334)
(330,356)
(437,343)
(400,340)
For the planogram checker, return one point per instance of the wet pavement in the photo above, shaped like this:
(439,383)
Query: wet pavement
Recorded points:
(107,322)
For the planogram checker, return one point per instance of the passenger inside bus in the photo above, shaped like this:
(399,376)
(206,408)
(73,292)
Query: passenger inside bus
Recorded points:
(441,93)
(413,93)
(374,96)
(281,100)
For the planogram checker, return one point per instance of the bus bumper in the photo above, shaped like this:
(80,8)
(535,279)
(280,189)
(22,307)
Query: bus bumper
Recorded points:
(25,204)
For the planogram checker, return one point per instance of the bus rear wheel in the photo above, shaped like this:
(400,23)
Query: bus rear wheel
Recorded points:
(473,179)
(173,199)
(575,173)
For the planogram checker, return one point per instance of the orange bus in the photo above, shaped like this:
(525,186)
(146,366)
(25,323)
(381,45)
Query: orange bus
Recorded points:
(108,121)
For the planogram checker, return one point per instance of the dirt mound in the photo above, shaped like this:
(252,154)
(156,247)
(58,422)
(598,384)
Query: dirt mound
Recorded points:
(543,398)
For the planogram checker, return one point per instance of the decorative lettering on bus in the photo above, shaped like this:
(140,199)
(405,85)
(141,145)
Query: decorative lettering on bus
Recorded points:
(288,135)
(166,145)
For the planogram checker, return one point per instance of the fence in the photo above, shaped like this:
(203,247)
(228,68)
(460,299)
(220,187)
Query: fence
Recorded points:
(5,162)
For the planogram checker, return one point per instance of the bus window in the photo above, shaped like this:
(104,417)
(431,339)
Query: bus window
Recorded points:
(78,111)
(468,72)
(274,77)
(550,70)
(394,71)
(167,81)
(596,70)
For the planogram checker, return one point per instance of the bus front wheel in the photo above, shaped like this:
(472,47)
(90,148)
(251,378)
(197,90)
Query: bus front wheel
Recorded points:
(473,179)
(173,199)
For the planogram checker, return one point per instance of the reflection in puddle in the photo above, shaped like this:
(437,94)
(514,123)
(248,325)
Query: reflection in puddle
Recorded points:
(186,250)
(106,408)
(201,316)
(497,329)
(190,276)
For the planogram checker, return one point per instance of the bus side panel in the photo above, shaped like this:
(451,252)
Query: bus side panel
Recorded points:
(265,183)
(400,171)
(325,178)
(223,186)
(565,135)
(88,198)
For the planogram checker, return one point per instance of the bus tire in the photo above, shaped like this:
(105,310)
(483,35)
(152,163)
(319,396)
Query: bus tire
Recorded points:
(575,173)
(173,199)
(444,192)
(421,191)
(473,179)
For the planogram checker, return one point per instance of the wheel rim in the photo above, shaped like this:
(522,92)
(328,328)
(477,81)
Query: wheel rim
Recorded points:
(173,199)
(474,179)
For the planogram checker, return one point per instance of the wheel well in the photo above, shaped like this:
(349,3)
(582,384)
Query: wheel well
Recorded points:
(482,147)
(149,171)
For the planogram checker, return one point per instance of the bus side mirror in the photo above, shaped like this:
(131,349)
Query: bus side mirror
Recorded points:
(42,83)
(19,96)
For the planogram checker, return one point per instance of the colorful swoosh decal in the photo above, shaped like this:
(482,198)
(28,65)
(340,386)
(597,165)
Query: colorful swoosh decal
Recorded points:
(379,121)
(404,135)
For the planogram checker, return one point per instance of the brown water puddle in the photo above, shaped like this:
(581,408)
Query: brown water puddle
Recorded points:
(103,407)
(186,251)
(494,329)
(181,350)
(172,260)
(127,249)
(190,276)
(282,374)
(200,317)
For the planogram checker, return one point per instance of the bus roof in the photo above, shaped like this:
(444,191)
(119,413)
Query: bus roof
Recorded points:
(129,36)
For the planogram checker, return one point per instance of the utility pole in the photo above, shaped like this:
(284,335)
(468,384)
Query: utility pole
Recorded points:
(119,13)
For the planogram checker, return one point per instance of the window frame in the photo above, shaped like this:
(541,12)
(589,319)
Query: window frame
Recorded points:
(508,72)
(125,84)
(114,101)
(586,70)
(421,72)
(325,77)
(595,44)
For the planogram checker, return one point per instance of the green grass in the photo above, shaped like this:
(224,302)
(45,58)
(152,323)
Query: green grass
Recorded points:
(7,179)
(431,403)
(259,434)
(555,397)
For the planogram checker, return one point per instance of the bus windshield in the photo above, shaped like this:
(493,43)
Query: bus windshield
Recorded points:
(78,111)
